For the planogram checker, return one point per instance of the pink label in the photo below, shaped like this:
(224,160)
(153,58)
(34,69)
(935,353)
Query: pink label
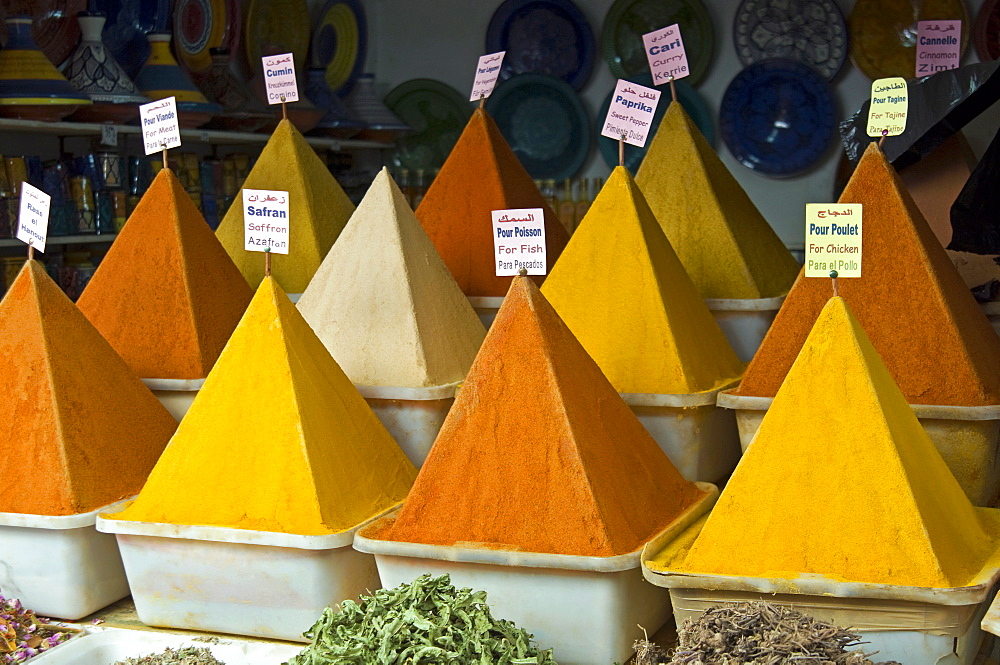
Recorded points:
(279,78)
(487,73)
(665,51)
(630,115)
(939,45)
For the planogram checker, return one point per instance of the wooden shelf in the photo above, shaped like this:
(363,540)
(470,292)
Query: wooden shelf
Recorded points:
(81,239)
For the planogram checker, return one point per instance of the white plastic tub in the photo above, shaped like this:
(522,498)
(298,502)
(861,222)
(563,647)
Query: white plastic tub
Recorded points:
(175,394)
(110,645)
(584,608)
(60,566)
(967,437)
(223,580)
(744,321)
(486,307)
(413,416)
(991,621)
(699,437)
(294,297)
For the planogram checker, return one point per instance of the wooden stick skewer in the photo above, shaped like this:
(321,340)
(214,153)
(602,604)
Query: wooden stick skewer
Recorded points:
(284,109)
(621,151)
(267,262)
(31,252)
(166,162)
(673,89)
(885,133)
(482,101)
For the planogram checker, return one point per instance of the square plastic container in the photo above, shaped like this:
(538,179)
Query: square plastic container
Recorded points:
(413,416)
(584,608)
(218,579)
(175,394)
(486,308)
(110,645)
(60,566)
(968,438)
(744,322)
(700,438)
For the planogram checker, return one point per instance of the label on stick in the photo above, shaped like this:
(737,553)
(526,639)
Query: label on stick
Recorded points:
(159,125)
(33,219)
(109,135)
(279,78)
(833,239)
(887,112)
(631,112)
(265,219)
(666,54)
(519,241)
(939,46)
(487,73)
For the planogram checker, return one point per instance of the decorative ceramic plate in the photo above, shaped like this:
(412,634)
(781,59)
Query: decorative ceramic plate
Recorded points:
(628,20)
(129,21)
(884,33)
(543,37)
(201,25)
(436,112)
(54,26)
(688,97)
(777,117)
(986,32)
(544,122)
(276,26)
(339,42)
(810,31)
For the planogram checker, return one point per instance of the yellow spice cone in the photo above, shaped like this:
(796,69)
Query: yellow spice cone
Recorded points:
(841,480)
(278,439)
(726,246)
(318,210)
(625,295)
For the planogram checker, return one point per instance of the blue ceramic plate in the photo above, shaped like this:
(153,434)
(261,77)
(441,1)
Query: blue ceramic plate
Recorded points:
(543,37)
(777,117)
(688,97)
(544,122)
(339,42)
(128,23)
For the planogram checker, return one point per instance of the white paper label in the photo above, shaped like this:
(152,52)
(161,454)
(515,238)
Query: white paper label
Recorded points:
(631,113)
(887,112)
(265,220)
(159,125)
(519,241)
(279,78)
(33,220)
(939,46)
(109,135)
(487,72)
(833,239)
(666,54)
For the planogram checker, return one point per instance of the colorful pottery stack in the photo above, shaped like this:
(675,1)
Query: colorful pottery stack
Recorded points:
(30,86)
(337,121)
(93,70)
(733,256)
(166,295)
(161,77)
(86,432)
(319,209)
(298,477)
(939,347)
(389,312)
(381,124)
(481,174)
(625,295)
(241,110)
(844,506)
(540,489)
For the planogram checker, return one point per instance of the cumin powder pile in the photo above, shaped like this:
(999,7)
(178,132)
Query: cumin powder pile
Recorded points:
(166,296)
(539,453)
(910,299)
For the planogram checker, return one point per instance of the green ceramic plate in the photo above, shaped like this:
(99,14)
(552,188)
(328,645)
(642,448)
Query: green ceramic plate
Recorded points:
(436,112)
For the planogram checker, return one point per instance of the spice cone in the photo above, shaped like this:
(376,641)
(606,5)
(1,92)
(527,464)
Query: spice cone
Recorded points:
(842,481)
(384,304)
(727,247)
(625,295)
(166,295)
(481,174)
(82,431)
(928,329)
(539,453)
(278,439)
(318,210)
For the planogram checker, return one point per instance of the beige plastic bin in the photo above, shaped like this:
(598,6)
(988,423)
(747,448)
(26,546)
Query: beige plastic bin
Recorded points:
(413,416)
(744,322)
(175,394)
(486,308)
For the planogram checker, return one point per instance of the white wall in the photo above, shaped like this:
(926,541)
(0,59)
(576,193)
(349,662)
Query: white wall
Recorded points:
(442,40)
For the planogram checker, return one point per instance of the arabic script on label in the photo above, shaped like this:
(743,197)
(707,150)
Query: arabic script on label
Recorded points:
(631,112)
(666,54)
(159,125)
(265,219)
(33,220)
(487,73)
(519,241)
(833,239)
(887,112)
(939,46)
(279,78)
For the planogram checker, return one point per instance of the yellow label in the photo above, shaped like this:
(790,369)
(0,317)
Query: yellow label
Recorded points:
(833,239)
(887,112)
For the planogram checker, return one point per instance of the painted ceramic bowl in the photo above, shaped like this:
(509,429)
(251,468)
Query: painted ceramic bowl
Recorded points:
(161,77)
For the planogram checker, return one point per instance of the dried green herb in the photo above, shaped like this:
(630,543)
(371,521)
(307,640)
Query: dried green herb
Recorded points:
(182,656)
(427,621)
